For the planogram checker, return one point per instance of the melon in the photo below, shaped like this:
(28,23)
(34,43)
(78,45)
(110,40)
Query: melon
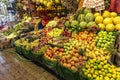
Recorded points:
(86,10)
(117,27)
(107,21)
(116,20)
(81,17)
(110,27)
(74,23)
(89,17)
(99,19)
(83,24)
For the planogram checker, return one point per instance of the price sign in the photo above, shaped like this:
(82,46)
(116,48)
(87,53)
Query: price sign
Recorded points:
(97,4)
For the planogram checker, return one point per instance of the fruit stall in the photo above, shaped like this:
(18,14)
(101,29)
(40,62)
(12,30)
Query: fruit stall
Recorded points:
(81,46)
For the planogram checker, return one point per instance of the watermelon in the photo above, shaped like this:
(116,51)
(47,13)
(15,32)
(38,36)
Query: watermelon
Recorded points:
(74,23)
(83,24)
(81,17)
(67,23)
(86,10)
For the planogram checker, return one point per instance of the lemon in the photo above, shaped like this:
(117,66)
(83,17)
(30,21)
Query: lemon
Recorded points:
(107,78)
(103,73)
(97,78)
(94,76)
(99,66)
(114,76)
(112,79)
(109,75)
(100,72)
(85,73)
(96,73)
(89,75)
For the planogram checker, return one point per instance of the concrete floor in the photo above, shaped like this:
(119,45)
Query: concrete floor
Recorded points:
(13,67)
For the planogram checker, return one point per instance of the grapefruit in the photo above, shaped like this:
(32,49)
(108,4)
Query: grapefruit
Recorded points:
(106,14)
(117,27)
(107,21)
(97,14)
(113,14)
(116,20)
(99,19)
(110,27)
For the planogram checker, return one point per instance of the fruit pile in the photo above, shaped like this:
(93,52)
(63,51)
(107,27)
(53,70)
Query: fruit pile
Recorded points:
(72,44)
(86,36)
(73,60)
(55,32)
(105,39)
(79,42)
(54,53)
(108,21)
(97,53)
(100,70)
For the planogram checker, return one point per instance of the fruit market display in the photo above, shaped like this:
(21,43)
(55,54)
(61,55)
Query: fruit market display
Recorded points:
(78,46)
(79,51)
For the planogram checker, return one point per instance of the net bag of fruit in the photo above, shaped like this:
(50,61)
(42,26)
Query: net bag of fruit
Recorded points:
(115,6)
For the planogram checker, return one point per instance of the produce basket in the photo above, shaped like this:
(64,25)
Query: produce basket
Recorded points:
(18,49)
(26,53)
(67,73)
(50,64)
(36,57)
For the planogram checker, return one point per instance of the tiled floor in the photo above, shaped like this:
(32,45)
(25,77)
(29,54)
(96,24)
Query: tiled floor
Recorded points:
(12,67)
